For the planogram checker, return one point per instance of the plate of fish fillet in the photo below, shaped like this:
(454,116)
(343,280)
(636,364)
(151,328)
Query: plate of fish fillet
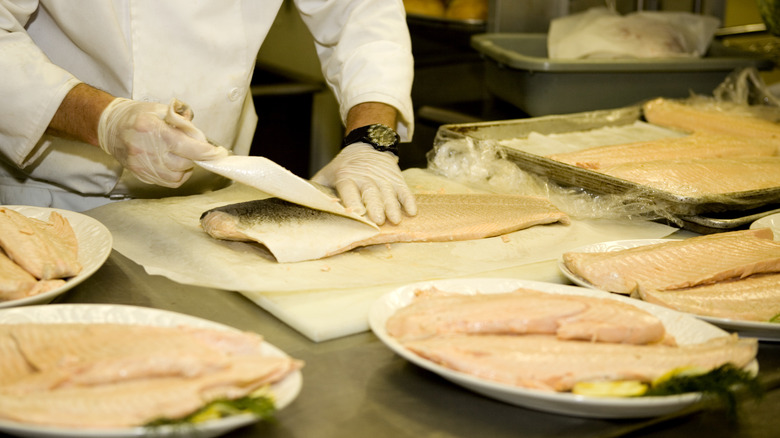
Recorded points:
(93,370)
(47,251)
(531,343)
(731,279)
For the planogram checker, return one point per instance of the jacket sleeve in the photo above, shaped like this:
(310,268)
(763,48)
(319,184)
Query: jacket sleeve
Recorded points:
(365,52)
(31,88)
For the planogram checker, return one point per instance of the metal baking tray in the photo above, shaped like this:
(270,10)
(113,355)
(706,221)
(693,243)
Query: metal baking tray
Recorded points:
(700,214)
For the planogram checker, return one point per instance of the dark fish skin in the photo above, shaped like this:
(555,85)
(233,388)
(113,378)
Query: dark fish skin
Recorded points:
(269,209)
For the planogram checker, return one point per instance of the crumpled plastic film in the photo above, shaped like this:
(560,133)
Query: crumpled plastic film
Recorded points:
(483,164)
(745,87)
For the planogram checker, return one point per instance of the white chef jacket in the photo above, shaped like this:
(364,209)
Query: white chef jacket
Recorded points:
(200,51)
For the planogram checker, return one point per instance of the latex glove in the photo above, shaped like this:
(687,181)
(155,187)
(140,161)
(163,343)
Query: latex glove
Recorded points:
(369,181)
(138,136)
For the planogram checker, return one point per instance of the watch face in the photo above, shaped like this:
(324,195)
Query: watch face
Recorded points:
(382,135)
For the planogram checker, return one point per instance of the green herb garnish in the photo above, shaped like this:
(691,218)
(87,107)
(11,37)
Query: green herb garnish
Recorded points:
(260,406)
(723,384)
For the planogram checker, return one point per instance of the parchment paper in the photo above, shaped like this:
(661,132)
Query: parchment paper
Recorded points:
(329,298)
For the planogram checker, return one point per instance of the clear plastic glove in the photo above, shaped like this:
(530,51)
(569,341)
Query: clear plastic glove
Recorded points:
(138,136)
(369,181)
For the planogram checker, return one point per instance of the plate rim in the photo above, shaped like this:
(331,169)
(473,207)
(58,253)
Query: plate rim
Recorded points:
(291,385)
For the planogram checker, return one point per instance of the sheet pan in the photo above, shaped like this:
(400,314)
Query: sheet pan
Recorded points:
(701,214)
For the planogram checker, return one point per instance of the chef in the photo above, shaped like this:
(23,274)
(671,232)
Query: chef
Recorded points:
(86,88)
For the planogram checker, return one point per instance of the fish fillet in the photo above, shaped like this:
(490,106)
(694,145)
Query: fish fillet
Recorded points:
(47,250)
(698,118)
(16,283)
(679,264)
(755,298)
(702,177)
(113,375)
(546,363)
(525,311)
(296,233)
(697,145)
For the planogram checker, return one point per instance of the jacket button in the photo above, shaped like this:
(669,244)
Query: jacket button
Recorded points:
(234,94)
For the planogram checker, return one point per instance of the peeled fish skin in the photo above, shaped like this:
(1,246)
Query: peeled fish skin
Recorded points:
(702,177)
(679,264)
(47,250)
(755,298)
(678,115)
(697,145)
(546,363)
(291,232)
(525,311)
(295,233)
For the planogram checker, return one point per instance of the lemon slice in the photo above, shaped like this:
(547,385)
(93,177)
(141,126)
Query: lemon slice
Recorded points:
(622,388)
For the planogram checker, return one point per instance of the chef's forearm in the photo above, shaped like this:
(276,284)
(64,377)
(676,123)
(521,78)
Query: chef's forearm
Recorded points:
(79,113)
(369,113)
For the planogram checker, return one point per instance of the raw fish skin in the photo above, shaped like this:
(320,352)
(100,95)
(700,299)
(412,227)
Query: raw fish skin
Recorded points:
(702,177)
(295,233)
(290,231)
(117,376)
(47,250)
(525,311)
(546,363)
(755,298)
(698,118)
(679,264)
(697,145)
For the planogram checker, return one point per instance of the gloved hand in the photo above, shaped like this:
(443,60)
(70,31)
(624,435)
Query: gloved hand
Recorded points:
(138,136)
(369,181)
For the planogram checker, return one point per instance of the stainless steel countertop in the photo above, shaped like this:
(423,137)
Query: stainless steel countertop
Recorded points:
(356,387)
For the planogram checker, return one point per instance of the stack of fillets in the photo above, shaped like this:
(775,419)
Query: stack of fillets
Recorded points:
(733,275)
(106,375)
(551,341)
(36,256)
(726,151)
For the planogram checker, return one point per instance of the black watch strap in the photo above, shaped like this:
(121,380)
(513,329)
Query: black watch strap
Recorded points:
(380,137)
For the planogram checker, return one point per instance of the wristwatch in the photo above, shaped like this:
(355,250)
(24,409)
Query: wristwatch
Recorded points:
(381,137)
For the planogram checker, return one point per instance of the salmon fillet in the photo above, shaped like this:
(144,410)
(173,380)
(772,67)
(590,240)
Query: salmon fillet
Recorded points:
(295,233)
(17,283)
(525,311)
(697,145)
(679,264)
(755,298)
(700,118)
(47,250)
(702,177)
(546,363)
(114,375)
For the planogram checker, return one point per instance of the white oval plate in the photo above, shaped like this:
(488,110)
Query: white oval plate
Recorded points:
(685,329)
(765,331)
(284,391)
(772,221)
(95,243)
